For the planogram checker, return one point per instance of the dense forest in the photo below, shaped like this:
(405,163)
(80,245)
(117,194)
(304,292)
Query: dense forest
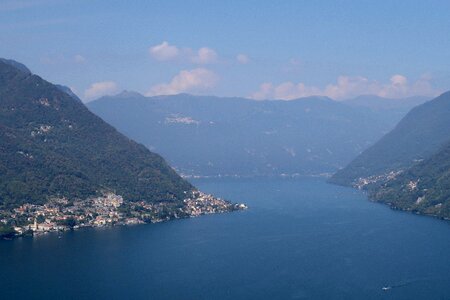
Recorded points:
(51,145)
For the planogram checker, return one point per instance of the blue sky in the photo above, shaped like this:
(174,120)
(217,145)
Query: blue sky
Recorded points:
(259,49)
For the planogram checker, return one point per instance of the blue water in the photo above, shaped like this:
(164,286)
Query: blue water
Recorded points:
(300,239)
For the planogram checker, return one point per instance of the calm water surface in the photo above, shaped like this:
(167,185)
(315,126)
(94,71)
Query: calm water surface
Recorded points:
(300,239)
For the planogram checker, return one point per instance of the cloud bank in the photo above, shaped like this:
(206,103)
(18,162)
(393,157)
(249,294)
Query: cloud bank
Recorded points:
(167,52)
(164,51)
(349,87)
(99,89)
(196,80)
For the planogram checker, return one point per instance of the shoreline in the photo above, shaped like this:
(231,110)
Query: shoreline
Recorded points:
(407,210)
(238,176)
(89,227)
(60,215)
(390,205)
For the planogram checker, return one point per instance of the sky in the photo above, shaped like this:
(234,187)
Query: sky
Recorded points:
(255,49)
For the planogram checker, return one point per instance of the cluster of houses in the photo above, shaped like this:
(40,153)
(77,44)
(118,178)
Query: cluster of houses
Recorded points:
(362,182)
(200,203)
(108,210)
(61,214)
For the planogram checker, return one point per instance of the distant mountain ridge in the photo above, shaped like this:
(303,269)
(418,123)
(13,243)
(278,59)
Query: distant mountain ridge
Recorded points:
(380,103)
(51,145)
(211,136)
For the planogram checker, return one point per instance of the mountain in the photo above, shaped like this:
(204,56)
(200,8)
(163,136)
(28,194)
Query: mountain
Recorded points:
(210,136)
(421,133)
(424,188)
(68,91)
(394,108)
(382,104)
(19,66)
(51,145)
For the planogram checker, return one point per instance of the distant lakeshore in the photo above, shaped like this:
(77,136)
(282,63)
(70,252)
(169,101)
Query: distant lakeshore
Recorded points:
(282,175)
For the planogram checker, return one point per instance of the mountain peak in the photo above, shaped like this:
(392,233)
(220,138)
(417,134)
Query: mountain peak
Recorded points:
(19,66)
(129,94)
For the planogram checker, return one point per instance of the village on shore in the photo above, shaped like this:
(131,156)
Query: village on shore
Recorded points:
(108,210)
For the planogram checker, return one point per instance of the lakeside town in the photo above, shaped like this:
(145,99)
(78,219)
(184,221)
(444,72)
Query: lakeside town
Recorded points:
(59,215)
(366,181)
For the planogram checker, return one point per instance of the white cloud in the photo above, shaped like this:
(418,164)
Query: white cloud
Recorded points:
(204,56)
(167,52)
(348,87)
(242,59)
(164,51)
(265,92)
(399,80)
(195,80)
(99,89)
(79,59)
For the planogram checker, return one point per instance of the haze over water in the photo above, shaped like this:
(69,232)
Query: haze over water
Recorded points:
(300,239)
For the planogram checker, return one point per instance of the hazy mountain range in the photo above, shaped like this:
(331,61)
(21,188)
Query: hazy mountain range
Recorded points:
(402,105)
(212,136)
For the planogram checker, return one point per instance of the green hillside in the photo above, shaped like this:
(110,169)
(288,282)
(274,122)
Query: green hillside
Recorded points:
(425,188)
(52,145)
(420,134)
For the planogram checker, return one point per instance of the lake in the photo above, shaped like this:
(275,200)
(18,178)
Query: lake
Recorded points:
(299,239)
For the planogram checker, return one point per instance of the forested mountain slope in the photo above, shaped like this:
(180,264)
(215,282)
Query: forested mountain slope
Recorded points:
(51,145)
(420,134)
